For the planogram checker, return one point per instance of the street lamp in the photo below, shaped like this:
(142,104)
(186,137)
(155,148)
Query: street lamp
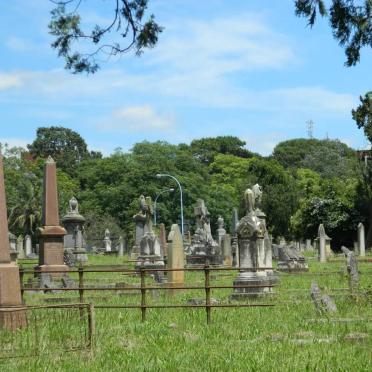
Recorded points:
(159,175)
(156,199)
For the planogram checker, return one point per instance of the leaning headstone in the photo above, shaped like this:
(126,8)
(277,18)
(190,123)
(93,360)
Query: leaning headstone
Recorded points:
(51,235)
(323,303)
(11,317)
(176,258)
(361,240)
(352,269)
(291,260)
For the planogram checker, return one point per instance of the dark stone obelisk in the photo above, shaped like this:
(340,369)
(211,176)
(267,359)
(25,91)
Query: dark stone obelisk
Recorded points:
(51,235)
(12,313)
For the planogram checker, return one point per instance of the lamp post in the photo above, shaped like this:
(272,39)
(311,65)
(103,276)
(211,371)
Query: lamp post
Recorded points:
(159,175)
(156,199)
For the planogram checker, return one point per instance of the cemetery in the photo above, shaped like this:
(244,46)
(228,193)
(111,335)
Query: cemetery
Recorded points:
(169,213)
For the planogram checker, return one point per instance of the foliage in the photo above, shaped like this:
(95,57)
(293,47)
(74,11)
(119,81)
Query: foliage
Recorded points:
(350,21)
(128,21)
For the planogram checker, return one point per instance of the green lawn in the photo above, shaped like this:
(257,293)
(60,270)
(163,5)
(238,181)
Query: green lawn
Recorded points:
(290,336)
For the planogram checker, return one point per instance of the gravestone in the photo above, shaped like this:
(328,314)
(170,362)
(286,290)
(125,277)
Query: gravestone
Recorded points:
(234,238)
(140,220)
(308,246)
(51,235)
(20,250)
(176,257)
(323,244)
(28,246)
(163,239)
(13,247)
(361,240)
(352,269)
(121,247)
(323,303)
(291,260)
(204,249)
(221,232)
(107,241)
(253,252)
(12,316)
(74,241)
(226,250)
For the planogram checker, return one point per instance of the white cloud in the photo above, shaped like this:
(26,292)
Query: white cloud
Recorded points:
(9,80)
(136,119)
(15,142)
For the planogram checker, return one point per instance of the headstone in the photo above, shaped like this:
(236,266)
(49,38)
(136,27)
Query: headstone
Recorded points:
(221,232)
(253,254)
(176,258)
(121,247)
(226,250)
(352,269)
(140,220)
(204,249)
(74,240)
(20,250)
(28,246)
(322,236)
(291,260)
(323,303)
(163,239)
(361,240)
(234,238)
(11,317)
(308,246)
(107,241)
(51,235)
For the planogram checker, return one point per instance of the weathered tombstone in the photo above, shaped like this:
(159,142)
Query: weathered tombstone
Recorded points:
(308,246)
(163,239)
(176,257)
(323,303)
(322,236)
(352,269)
(226,250)
(51,235)
(107,241)
(20,250)
(74,240)
(361,240)
(12,316)
(356,248)
(140,220)
(28,246)
(234,238)
(251,231)
(204,249)
(290,260)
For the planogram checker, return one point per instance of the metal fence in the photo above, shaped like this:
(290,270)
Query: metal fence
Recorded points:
(144,289)
(49,328)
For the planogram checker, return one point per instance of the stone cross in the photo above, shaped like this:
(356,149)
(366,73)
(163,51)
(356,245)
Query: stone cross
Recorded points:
(52,234)
(361,240)
(11,318)
(176,258)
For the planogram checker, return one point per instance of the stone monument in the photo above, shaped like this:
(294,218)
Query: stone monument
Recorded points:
(163,239)
(361,240)
(204,249)
(20,250)
(12,316)
(221,232)
(51,235)
(74,241)
(226,251)
(234,238)
(176,257)
(28,247)
(290,260)
(107,241)
(140,220)
(151,254)
(323,242)
(254,255)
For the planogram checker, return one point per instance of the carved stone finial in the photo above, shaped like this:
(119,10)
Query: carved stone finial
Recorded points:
(73,205)
(50,160)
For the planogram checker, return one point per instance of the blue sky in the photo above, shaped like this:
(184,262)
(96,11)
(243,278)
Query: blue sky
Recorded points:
(222,67)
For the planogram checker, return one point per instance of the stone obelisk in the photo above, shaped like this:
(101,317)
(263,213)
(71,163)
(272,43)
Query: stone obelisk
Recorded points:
(51,236)
(12,315)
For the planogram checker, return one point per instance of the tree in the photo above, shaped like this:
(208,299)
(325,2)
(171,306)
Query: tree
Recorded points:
(350,21)
(66,146)
(363,115)
(205,149)
(128,21)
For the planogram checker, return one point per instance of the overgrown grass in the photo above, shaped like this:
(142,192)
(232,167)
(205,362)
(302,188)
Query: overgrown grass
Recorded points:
(290,336)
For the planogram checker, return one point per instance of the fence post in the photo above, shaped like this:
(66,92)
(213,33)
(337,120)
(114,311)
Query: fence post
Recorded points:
(81,283)
(207,293)
(91,324)
(21,275)
(143,294)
